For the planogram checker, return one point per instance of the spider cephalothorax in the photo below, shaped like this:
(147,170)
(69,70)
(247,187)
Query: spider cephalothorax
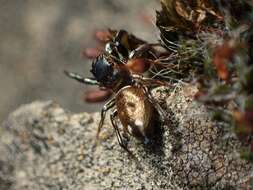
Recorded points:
(110,73)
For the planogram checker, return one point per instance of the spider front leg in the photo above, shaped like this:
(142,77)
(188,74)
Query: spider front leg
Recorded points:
(118,47)
(105,108)
(138,52)
(79,78)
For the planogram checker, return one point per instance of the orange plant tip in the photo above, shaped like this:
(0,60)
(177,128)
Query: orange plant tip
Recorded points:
(138,65)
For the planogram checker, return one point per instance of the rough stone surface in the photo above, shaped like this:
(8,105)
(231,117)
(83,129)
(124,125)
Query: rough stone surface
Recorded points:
(43,146)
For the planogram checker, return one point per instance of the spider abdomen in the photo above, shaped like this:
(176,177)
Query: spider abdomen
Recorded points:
(135,112)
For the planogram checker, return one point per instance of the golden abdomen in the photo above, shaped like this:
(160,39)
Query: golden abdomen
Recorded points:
(135,112)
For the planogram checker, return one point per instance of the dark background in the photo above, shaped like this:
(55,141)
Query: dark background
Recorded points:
(41,38)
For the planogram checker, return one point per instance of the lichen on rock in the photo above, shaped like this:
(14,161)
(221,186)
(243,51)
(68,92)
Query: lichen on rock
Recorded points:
(44,146)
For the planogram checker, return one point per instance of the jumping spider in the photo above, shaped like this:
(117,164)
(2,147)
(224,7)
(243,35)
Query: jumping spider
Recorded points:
(132,102)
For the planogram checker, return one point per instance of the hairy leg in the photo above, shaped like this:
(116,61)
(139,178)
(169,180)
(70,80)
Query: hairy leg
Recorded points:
(105,108)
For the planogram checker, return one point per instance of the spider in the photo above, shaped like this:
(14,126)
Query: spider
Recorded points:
(132,103)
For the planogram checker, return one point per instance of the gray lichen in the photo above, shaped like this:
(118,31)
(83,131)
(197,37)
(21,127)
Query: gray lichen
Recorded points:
(43,146)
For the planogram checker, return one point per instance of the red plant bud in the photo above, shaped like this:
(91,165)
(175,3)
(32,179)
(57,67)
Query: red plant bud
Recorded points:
(222,55)
(103,36)
(244,125)
(96,95)
(91,53)
(199,95)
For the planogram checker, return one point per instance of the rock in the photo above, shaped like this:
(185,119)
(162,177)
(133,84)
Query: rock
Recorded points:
(43,146)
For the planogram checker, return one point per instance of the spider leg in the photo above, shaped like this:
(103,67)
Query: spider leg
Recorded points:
(105,108)
(81,79)
(150,81)
(118,135)
(153,101)
(140,50)
(145,47)
(119,45)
